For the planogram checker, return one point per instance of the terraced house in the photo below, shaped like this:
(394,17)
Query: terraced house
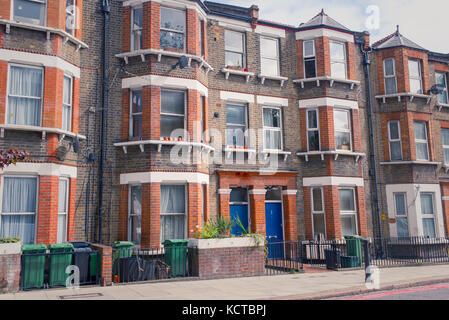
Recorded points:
(145,119)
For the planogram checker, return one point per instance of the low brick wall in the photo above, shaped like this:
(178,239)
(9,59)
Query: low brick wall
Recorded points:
(9,272)
(105,263)
(226,258)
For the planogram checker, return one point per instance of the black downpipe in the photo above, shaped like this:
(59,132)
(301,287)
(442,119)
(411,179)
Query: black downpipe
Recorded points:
(373,172)
(106,11)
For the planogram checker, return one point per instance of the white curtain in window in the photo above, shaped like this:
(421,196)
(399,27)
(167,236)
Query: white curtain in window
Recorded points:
(20,226)
(172,212)
(62,228)
(62,211)
(429,227)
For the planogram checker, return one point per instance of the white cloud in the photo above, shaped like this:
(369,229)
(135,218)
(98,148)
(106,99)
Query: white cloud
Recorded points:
(424,22)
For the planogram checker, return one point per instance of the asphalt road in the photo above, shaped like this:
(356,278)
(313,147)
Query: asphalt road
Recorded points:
(433,292)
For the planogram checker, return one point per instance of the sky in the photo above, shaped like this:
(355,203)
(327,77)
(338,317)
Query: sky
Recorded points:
(425,22)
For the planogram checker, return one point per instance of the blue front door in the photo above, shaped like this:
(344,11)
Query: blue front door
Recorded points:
(239,211)
(274,230)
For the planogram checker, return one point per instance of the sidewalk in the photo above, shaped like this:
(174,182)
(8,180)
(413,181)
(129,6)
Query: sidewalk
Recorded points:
(293,286)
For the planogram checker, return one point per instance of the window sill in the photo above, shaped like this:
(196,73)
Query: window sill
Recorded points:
(43,130)
(67,36)
(398,96)
(282,80)
(331,80)
(228,72)
(141,144)
(143,52)
(229,150)
(335,153)
(432,163)
(278,152)
(441,106)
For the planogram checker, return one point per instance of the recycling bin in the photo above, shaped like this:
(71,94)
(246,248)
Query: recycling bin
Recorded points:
(59,263)
(81,256)
(176,256)
(349,262)
(121,249)
(33,267)
(354,247)
(332,258)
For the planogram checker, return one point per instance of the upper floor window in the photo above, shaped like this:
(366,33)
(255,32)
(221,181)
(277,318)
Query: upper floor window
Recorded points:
(30,11)
(394,139)
(401,214)
(135,123)
(173,105)
(63,208)
(135,214)
(67,104)
(445,134)
(70,11)
(272,129)
(269,52)
(414,69)
(309,59)
(236,125)
(342,126)
(25,95)
(201,33)
(235,49)
(441,79)
(338,60)
(313,131)
(427,214)
(136,29)
(390,76)
(173,212)
(173,26)
(348,211)
(318,216)
(421,142)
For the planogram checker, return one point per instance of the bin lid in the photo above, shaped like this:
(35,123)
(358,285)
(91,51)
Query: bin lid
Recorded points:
(37,248)
(80,244)
(122,244)
(180,242)
(82,249)
(354,237)
(61,247)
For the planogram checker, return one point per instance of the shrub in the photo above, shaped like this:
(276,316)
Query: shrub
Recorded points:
(9,240)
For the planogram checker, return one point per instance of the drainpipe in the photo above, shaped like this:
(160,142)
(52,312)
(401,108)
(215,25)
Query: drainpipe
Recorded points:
(373,172)
(106,11)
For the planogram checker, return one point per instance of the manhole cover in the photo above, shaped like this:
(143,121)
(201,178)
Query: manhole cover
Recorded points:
(81,296)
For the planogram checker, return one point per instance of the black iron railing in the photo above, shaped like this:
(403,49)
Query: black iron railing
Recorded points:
(283,257)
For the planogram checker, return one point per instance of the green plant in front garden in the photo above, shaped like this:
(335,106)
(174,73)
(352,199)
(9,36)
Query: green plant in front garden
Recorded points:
(9,240)
(257,238)
(221,228)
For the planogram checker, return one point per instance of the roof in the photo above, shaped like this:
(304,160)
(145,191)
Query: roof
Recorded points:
(396,39)
(323,20)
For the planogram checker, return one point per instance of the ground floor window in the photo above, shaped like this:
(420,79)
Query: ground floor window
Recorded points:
(18,216)
(400,204)
(135,214)
(348,211)
(427,213)
(318,217)
(62,209)
(173,212)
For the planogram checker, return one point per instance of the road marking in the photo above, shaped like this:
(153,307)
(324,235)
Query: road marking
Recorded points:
(393,293)
(81,296)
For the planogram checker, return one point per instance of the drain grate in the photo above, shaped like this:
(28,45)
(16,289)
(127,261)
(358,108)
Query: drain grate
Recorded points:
(81,296)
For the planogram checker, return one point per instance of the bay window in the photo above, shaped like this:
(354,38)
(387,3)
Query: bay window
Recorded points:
(348,211)
(272,129)
(338,60)
(390,76)
(136,29)
(318,216)
(445,134)
(63,206)
(441,79)
(173,212)
(173,105)
(235,49)
(70,12)
(309,59)
(269,53)
(400,204)
(313,131)
(414,69)
(342,126)
(135,214)
(19,207)
(421,142)
(135,123)
(236,125)
(25,95)
(173,28)
(30,11)
(67,104)
(394,139)
(427,214)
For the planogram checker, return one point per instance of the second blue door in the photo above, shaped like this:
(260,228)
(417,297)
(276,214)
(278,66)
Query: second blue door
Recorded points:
(274,230)
(238,211)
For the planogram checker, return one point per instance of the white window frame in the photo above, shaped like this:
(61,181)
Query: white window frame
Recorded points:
(309,57)
(314,212)
(39,1)
(445,90)
(186,213)
(130,210)
(419,71)
(429,216)
(36,214)
(243,53)
(184,33)
(276,59)
(133,30)
(279,129)
(422,141)
(390,76)
(445,147)
(348,112)
(70,105)
(406,210)
(70,31)
(132,114)
(8,89)
(184,116)
(344,61)
(390,140)
(350,213)
(66,213)
(313,129)
(244,127)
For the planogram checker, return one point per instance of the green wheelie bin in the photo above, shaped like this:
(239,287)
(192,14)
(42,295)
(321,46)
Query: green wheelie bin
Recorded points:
(121,249)
(354,248)
(33,266)
(59,262)
(176,256)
